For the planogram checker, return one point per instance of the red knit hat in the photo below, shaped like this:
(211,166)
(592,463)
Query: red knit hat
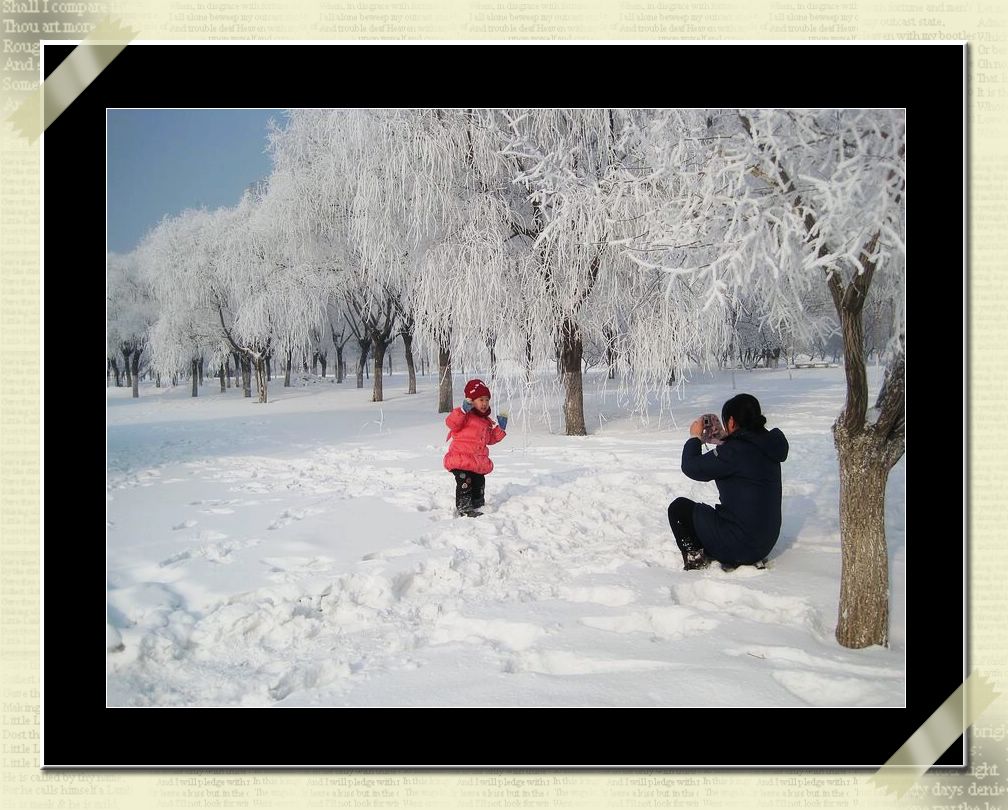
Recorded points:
(474,389)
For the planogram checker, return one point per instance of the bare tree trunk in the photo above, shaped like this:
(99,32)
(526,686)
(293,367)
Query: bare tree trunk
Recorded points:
(287,371)
(324,360)
(201,370)
(528,358)
(610,350)
(491,343)
(389,364)
(227,372)
(340,366)
(269,367)
(445,396)
(571,351)
(126,366)
(864,578)
(246,368)
(195,377)
(377,390)
(223,387)
(136,373)
(262,375)
(410,364)
(867,453)
(157,380)
(365,345)
(115,369)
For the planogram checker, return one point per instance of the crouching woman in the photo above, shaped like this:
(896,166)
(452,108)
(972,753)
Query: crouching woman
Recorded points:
(746,466)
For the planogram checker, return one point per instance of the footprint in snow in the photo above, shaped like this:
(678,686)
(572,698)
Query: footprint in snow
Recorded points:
(818,689)
(560,662)
(665,623)
(497,632)
(288,516)
(176,558)
(609,595)
(747,603)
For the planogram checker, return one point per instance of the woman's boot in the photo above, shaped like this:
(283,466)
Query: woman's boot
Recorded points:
(693,555)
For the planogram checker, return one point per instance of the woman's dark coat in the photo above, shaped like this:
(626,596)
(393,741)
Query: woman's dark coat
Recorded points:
(746,468)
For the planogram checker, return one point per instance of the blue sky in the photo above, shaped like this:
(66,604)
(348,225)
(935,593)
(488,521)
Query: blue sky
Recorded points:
(164,161)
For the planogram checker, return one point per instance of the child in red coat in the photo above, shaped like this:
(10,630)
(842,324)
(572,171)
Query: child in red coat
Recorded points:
(468,459)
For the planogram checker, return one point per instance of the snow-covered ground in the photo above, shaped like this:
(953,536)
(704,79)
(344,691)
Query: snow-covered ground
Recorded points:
(304,553)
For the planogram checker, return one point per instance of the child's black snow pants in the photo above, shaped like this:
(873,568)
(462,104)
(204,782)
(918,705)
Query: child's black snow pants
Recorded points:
(469,487)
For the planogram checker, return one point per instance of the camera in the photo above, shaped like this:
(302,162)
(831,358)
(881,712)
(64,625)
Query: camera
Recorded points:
(712,432)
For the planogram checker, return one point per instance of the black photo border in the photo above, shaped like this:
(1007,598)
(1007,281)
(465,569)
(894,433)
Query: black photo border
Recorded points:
(928,80)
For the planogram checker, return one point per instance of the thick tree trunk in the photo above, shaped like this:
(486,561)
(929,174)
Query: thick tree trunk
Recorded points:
(867,451)
(340,366)
(126,367)
(195,377)
(268,362)
(377,391)
(571,351)
(323,359)
(157,380)
(136,374)
(410,364)
(223,377)
(287,371)
(115,369)
(864,578)
(201,371)
(227,373)
(446,398)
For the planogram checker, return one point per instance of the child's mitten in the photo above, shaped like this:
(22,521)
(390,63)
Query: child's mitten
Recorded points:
(466,405)
(502,418)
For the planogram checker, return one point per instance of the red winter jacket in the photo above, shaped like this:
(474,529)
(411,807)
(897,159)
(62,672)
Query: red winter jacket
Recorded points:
(470,434)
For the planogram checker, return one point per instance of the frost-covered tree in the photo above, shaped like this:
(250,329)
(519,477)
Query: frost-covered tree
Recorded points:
(838,178)
(130,313)
(175,265)
(777,202)
(586,185)
(278,292)
(428,220)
